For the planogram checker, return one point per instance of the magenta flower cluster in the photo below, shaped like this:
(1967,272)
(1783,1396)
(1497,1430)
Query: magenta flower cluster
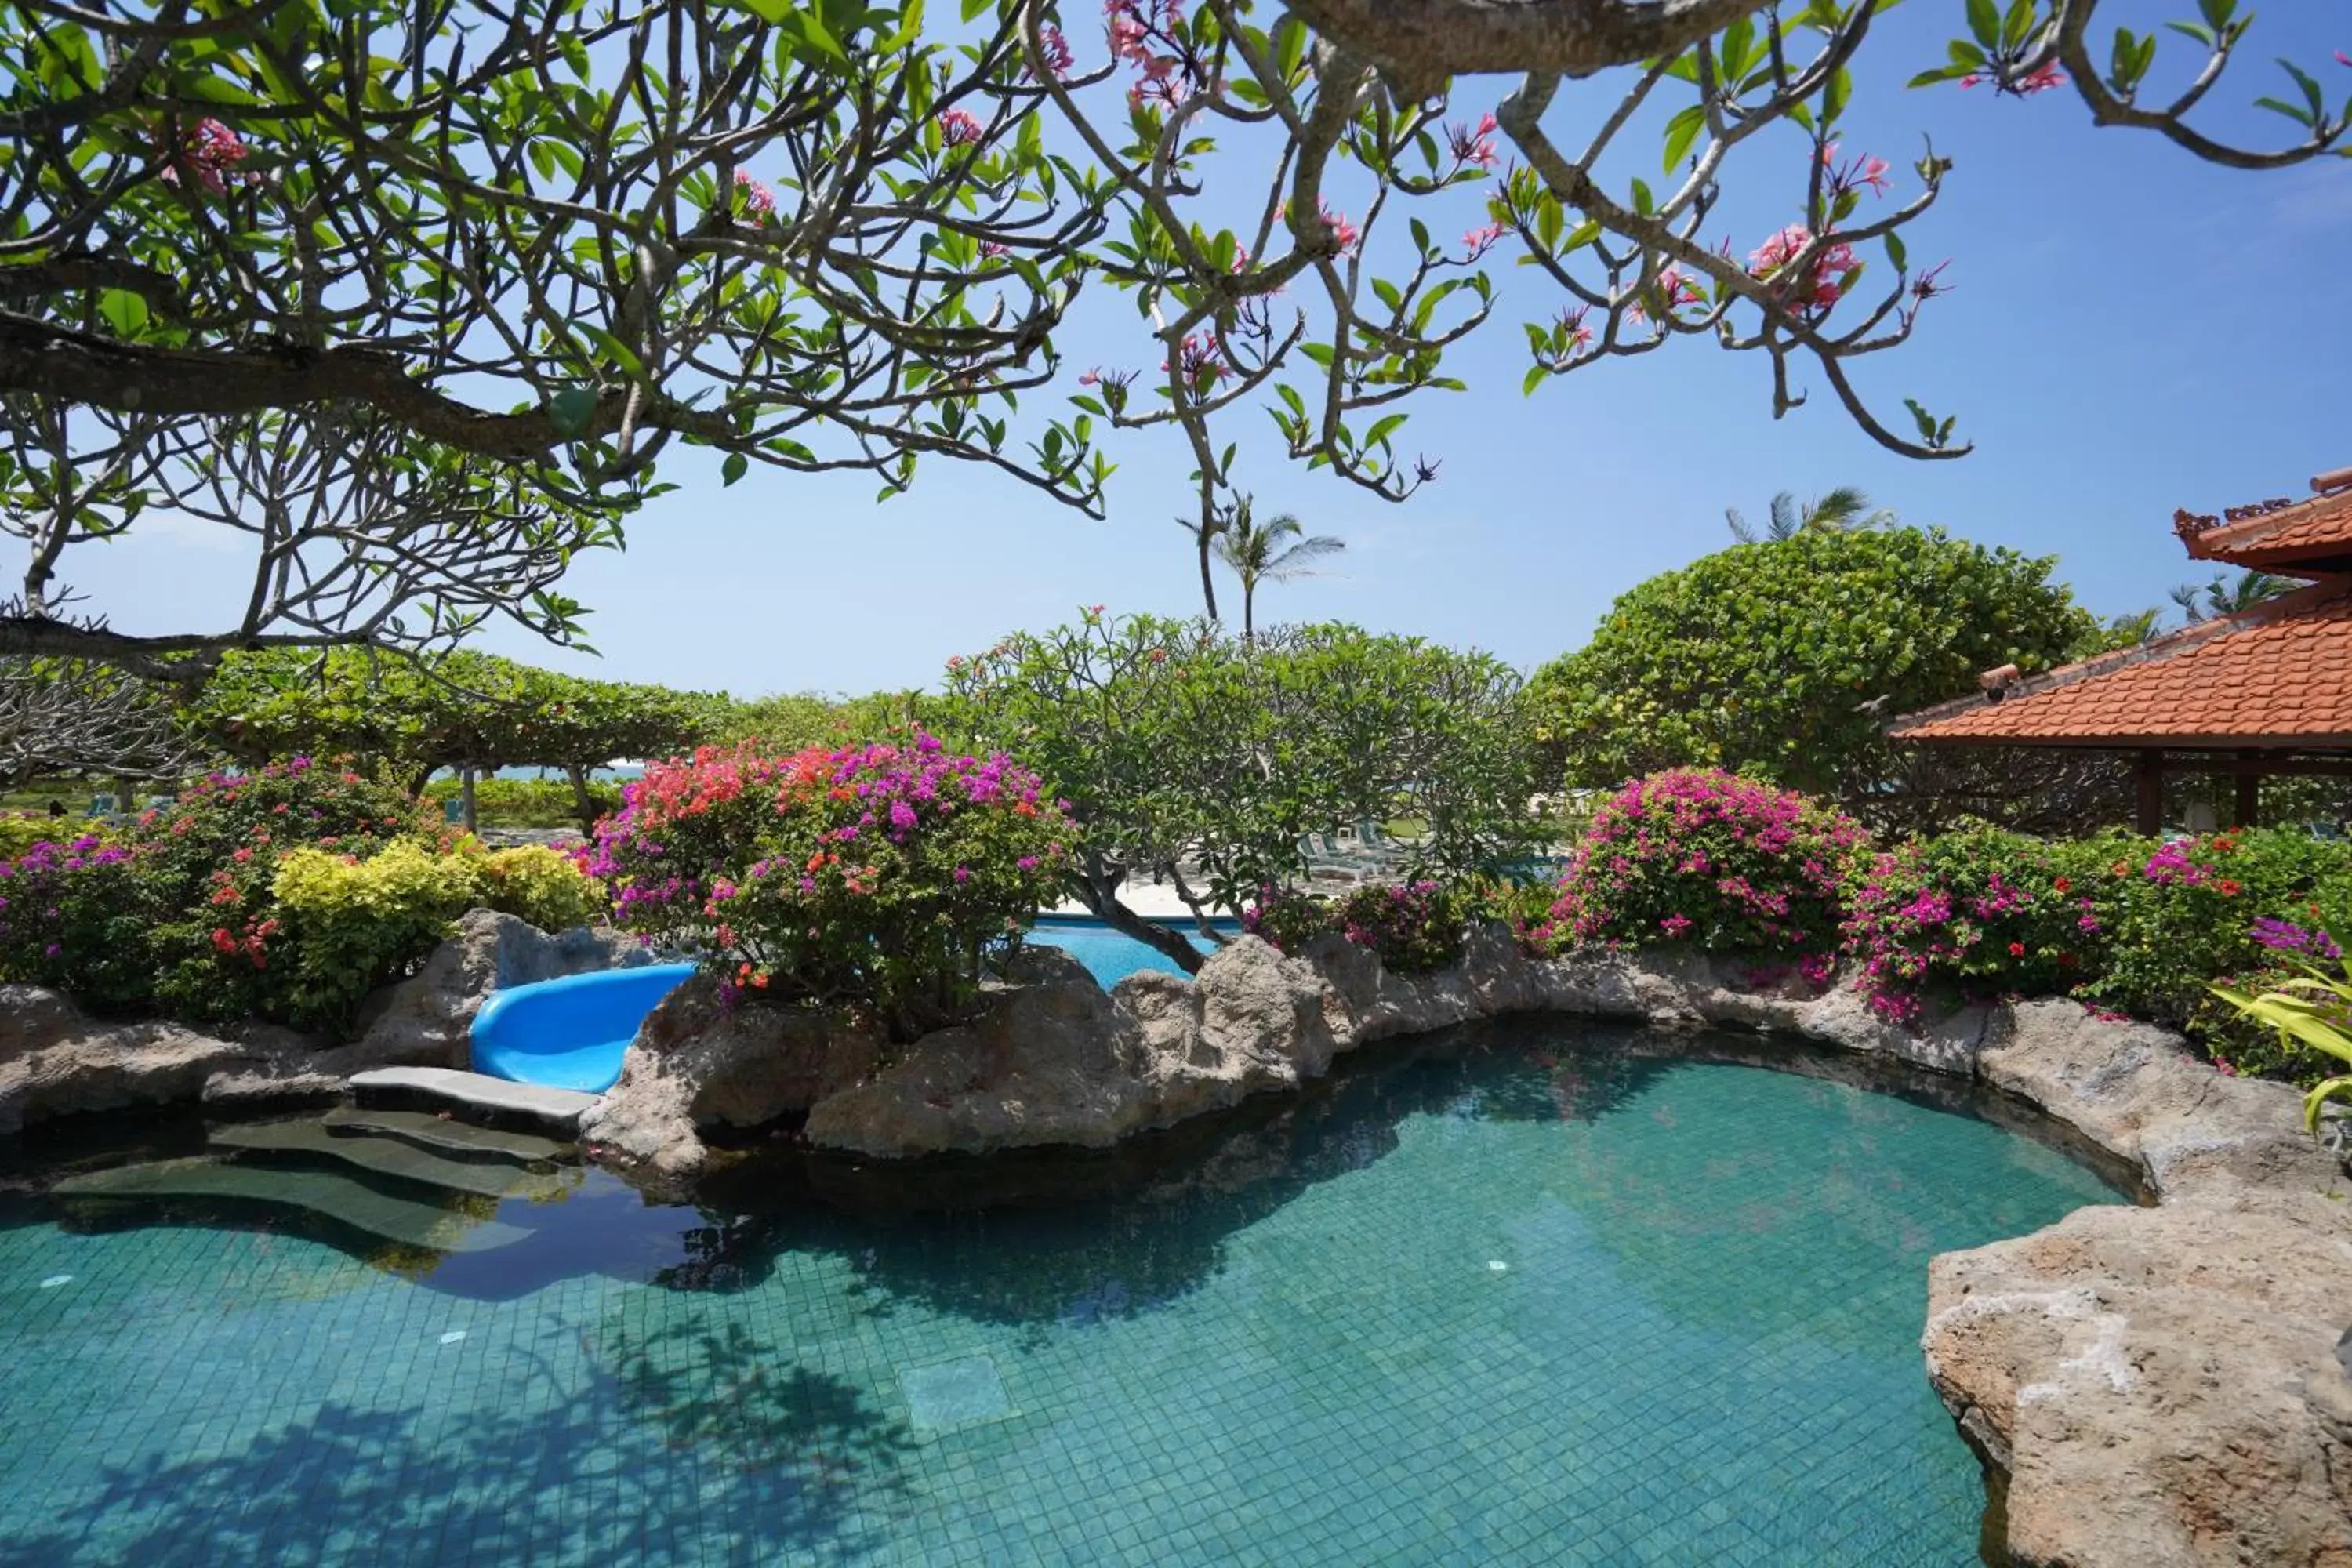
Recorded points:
(876,875)
(1703,855)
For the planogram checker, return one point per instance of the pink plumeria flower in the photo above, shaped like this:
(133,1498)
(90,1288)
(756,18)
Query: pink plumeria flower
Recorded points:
(960,126)
(1479,241)
(758,200)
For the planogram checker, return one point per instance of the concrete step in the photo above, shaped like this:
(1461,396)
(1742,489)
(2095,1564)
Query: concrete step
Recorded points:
(443,1134)
(338,1197)
(392,1157)
(494,1100)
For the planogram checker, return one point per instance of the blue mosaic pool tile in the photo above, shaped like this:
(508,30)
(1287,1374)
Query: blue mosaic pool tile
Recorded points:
(1702,1348)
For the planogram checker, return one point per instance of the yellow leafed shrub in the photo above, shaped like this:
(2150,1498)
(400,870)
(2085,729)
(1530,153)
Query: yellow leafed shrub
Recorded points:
(353,925)
(542,886)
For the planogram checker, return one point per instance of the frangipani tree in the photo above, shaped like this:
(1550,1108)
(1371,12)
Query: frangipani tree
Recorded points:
(1190,756)
(552,240)
(565,236)
(1298,277)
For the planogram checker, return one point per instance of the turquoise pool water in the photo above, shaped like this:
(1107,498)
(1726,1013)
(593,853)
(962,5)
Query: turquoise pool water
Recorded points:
(1108,955)
(1533,1297)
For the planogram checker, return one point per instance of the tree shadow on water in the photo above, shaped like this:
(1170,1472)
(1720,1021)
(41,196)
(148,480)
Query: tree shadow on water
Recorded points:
(696,1442)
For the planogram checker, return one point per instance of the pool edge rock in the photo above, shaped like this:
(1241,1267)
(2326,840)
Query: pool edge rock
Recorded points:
(2159,1384)
(57,1061)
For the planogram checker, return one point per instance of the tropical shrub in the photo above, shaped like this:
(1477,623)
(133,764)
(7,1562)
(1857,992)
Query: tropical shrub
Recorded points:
(1416,927)
(1978,911)
(20,831)
(1178,745)
(544,886)
(1413,926)
(882,876)
(528,803)
(351,925)
(74,918)
(1782,657)
(2140,925)
(1703,856)
(284,895)
(1288,917)
(2313,1010)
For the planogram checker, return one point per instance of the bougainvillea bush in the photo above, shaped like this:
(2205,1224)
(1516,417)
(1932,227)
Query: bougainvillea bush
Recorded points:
(285,895)
(883,877)
(1977,913)
(2138,925)
(1416,927)
(72,918)
(1724,863)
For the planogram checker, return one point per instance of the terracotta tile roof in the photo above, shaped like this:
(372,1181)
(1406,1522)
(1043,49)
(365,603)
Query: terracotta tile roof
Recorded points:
(2274,535)
(2279,675)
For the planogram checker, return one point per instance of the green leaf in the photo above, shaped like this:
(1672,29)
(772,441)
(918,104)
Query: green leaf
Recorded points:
(1984,22)
(124,311)
(733,468)
(1683,130)
(1535,376)
(619,352)
(571,410)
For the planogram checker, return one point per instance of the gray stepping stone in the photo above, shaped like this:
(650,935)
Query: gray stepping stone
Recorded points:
(340,1198)
(458,1138)
(391,1157)
(558,1108)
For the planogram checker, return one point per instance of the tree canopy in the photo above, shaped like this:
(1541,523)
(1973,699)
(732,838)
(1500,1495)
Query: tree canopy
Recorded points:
(464,710)
(1187,753)
(523,251)
(1784,657)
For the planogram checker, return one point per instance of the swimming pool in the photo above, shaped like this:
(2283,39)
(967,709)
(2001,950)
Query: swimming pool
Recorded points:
(1529,1295)
(1109,956)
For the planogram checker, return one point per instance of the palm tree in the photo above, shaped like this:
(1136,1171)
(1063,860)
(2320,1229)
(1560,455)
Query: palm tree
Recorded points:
(2222,596)
(1261,555)
(1845,510)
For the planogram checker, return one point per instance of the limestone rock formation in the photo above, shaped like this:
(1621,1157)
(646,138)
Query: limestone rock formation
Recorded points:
(54,1061)
(2161,1384)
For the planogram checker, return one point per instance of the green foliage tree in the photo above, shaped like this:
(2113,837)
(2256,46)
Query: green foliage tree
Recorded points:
(790,721)
(464,710)
(807,237)
(1784,657)
(828,234)
(2225,595)
(1186,753)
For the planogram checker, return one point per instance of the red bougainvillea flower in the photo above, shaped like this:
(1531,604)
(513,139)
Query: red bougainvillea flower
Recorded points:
(2017,950)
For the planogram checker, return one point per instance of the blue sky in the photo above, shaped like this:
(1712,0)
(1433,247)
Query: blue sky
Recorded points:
(2130,330)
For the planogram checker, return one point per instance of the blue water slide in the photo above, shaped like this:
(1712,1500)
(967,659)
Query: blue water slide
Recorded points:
(570,1033)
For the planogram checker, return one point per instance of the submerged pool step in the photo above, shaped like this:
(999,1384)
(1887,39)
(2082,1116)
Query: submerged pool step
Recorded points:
(338,1197)
(460,1140)
(392,1157)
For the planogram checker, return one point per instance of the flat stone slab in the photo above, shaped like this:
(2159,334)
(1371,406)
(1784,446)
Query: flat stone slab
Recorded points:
(343,1198)
(558,1108)
(391,1157)
(463,1139)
